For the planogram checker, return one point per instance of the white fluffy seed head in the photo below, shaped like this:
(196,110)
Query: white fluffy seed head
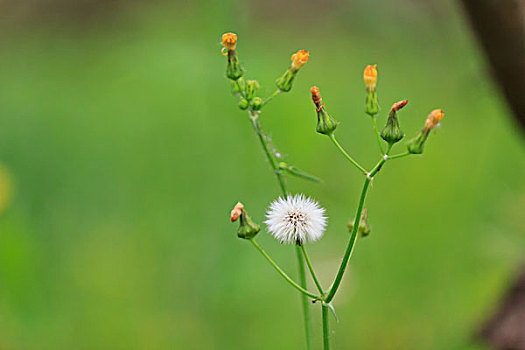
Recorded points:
(296,219)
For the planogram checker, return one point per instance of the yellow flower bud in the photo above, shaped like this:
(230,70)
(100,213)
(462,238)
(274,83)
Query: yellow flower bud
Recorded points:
(434,118)
(229,41)
(370,77)
(299,59)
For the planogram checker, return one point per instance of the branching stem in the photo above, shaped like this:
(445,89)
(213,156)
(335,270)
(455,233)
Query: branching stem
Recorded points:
(353,237)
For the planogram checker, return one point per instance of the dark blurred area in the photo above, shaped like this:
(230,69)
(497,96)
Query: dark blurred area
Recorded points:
(500,28)
(122,151)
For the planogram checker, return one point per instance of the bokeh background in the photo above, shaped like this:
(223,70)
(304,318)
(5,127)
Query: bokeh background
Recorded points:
(122,152)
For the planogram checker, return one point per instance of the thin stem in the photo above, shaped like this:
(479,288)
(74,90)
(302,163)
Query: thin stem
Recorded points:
(254,118)
(304,299)
(282,273)
(271,97)
(373,117)
(326,327)
(353,236)
(312,272)
(273,162)
(351,244)
(347,156)
(401,155)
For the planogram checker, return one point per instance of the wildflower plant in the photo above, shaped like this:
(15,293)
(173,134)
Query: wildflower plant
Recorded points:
(298,219)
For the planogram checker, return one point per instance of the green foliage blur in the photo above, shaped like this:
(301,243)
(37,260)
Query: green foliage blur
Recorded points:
(124,151)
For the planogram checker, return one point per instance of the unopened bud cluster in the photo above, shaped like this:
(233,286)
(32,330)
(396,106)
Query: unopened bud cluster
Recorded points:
(247,90)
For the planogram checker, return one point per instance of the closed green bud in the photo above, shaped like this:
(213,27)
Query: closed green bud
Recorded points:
(371,105)
(251,89)
(325,123)
(363,229)
(237,86)
(234,70)
(243,104)
(416,145)
(256,104)
(392,133)
(247,228)
(284,83)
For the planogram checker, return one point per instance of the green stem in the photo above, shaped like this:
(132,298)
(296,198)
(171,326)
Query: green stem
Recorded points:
(271,97)
(254,118)
(373,117)
(353,236)
(401,155)
(282,273)
(312,272)
(351,244)
(326,327)
(304,299)
(347,156)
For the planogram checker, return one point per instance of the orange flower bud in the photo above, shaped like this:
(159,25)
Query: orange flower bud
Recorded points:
(236,212)
(229,41)
(370,77)
(316,97)
(434,118)
(398,105)
(299,59)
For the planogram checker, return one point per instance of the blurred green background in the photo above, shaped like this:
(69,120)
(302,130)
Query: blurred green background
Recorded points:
(123,151)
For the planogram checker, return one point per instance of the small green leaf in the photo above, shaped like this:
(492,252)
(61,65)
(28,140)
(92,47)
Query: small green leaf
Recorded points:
(292,170)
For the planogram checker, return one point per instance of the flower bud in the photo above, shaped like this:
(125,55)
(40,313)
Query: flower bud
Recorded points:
(251,89)
(392,133)
(371,104)
(247,228)
(236,212)
(243,104)
(256,104)
(229,41)
(233,70)
(364,228)
(299,59)
(284,83)
(325,123)
(237,86)
(434,118)
(416,145)
(370,77)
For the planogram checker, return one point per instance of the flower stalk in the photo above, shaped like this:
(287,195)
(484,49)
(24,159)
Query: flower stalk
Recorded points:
(298,219)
